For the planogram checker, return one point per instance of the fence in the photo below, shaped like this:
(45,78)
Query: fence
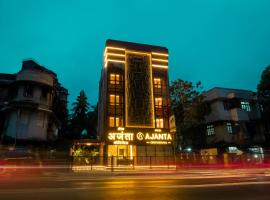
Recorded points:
(114,163)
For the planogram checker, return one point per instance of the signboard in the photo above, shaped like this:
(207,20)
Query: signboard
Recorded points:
(140,137)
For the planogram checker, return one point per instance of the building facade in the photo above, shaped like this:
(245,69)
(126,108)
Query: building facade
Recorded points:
(27,103)
(234,120)
(134,106)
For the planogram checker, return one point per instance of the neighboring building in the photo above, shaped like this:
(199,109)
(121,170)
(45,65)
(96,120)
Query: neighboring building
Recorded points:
(134,106)
(27,101)
(234,120)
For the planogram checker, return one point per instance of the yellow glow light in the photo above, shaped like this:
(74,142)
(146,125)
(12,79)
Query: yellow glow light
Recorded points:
(115,54)
(120,142)
(160,54)
(115,48)
(160,66)
(113,60)
(159,60)
(138,52)
(151,88)
(120,128)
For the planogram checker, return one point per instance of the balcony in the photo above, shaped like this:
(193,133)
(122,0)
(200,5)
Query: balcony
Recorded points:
(239,115)
(35,76)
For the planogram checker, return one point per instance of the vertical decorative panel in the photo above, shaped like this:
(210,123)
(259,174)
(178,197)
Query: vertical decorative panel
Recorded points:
(139,91)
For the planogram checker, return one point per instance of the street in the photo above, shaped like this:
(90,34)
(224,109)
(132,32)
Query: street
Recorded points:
(253,184)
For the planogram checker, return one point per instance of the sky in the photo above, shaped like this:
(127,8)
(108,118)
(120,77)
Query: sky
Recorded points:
(223,43)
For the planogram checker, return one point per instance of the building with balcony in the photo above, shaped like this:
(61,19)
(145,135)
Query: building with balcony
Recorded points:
(134,106)
(27,103)
(234,120)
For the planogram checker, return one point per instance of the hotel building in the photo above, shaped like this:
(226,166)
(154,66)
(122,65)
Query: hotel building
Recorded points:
(134,107)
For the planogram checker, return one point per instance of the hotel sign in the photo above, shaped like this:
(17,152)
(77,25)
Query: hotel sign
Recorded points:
(140,137)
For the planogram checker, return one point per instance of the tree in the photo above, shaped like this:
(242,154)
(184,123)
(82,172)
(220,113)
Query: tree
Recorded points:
(79,118)
(92,119)
(263,89)
(189,110)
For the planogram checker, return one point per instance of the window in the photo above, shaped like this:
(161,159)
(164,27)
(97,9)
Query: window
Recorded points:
(158,102)
(245,106)
(157,82)
(44,93)
(261,107)
(229,127)
(114,99)
(159,123)
(28,91)
(121,152)
(210,130)
(114,79)
(113,121)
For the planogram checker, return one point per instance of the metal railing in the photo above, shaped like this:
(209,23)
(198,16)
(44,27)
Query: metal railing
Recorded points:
(115,163)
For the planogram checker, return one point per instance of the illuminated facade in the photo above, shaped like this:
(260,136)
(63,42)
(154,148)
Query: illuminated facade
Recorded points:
(134,107)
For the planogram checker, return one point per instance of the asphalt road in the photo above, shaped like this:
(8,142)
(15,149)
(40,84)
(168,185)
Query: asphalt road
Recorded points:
(187,185)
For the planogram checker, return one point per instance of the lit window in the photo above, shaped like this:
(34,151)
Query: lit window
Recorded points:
(157,82)
(114,99)
(158,102)
(229,127)
(117,121)
(210,130)
(114,79)
(113,121)
(245,106)
(159,123)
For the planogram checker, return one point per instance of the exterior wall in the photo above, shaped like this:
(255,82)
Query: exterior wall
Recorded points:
(217,112)
(36,76)
(246,126)
(36,98)
(31,117)
(137,65)
(27,125)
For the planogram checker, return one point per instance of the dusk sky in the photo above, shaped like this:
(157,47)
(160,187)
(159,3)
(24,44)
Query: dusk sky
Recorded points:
(222,43)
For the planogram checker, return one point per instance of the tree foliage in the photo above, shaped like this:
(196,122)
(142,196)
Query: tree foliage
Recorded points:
(189,110)
(263,89)
(83,117)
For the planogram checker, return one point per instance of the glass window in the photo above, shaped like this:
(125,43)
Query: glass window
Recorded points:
(210,130)
(111,121)
(114,122)
(114,79)
(245,106)
(114,99)
(44,94)
(117,121)
(229,127)
(121,152)
(28,91)
(157,82)
(158,102)
(159,123)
